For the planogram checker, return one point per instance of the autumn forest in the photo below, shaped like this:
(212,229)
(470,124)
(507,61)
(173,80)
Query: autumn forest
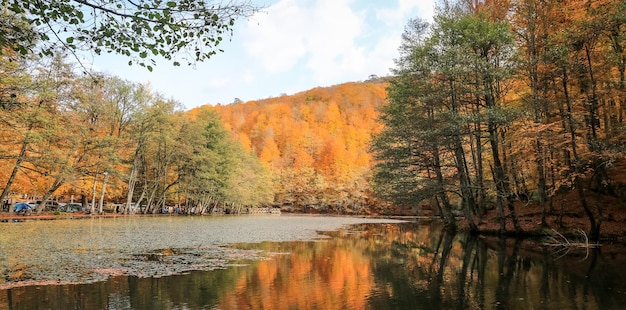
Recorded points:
(491,107)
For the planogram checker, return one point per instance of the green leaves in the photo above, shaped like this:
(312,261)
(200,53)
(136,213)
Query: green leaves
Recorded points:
(212,164)
(446,92)
(166,29)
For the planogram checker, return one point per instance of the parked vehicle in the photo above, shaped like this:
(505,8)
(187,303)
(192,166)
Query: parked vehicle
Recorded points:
(22,208)
(71,207)
(50,205)
(33,205)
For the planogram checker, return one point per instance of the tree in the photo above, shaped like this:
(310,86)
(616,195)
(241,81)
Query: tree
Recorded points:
(249,184)
(30,119)
(15,109)
(585,69)
(153,146)
(159,153)
(409,149)
(314,142)
(489,46)
(447,98)
(57,154)
(140,30)
(210,166)
(531,23)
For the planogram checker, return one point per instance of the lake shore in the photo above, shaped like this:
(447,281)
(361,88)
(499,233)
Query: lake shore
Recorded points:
(563,214)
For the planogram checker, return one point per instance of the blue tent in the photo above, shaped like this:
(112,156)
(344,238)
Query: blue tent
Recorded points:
(21,207)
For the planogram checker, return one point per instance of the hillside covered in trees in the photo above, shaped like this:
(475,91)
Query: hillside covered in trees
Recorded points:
(315,143)
(97,139)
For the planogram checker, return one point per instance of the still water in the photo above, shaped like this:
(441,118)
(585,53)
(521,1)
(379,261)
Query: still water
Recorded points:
(295,262)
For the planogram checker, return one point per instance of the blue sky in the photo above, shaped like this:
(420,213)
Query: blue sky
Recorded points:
(289,47)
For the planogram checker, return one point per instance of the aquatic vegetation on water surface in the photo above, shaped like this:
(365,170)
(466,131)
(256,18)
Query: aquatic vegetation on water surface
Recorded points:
(85,251)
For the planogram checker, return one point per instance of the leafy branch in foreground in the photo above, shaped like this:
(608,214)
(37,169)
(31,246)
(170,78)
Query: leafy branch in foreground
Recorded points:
(139,29)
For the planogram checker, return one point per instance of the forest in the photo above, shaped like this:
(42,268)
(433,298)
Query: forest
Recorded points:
(93,138)
(498,107)
(70,134)
(494,109)
(508,114)
(315,143)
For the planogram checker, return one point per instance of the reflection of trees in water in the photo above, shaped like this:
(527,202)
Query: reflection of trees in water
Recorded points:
(434,268)
(506,271)
(438,267)
(472,274)
(333,274)
(377,266)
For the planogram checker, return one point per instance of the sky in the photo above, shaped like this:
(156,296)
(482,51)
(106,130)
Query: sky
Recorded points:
(289,47)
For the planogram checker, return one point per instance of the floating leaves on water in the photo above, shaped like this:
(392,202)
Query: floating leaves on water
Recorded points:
(70,251)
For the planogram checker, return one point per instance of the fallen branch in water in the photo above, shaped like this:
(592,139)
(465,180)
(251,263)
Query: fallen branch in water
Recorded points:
(559,240)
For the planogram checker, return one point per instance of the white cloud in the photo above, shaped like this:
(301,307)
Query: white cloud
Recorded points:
(291,46)
(330,39)
(402,11)
(217,81)
(332,43)
(320,34)
(383,55)
(248,78)
(274,37)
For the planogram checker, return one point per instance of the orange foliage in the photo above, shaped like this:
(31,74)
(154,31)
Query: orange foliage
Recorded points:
(323,277)
(327,129)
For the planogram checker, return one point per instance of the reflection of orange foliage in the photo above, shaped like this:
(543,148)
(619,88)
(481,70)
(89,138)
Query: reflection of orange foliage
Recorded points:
(338,273)
(315,276)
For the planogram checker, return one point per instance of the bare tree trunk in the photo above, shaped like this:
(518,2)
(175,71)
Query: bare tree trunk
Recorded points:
(16,167)
(132,180)
(93,193)
(479,164)
(58,181)
(503,188)
(150,202)
(446,208)
(139,200)
(467,196)
(104,186)
(600,175)
(594,233)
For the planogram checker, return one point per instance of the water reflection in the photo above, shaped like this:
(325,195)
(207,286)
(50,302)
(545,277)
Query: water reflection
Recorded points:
(369,266)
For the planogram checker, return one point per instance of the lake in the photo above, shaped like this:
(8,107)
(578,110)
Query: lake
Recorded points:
(294,262)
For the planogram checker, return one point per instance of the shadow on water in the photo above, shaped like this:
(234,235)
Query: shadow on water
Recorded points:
(367,266)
